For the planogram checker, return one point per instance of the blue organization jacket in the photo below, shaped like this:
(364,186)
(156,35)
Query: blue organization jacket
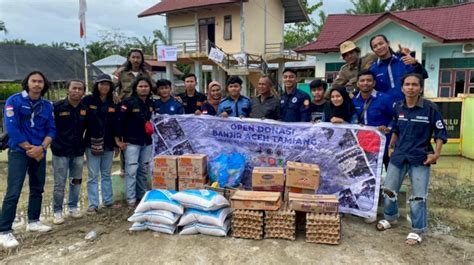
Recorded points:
(415,127)
(171,106)
(388,76)
(28,121)
(241,107)
(295,107)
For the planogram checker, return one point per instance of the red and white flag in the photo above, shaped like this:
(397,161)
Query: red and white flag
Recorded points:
(82,18)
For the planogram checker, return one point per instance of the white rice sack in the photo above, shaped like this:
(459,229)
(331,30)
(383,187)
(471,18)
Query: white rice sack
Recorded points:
(159,200)
(137,218)
(204,229)
(161,217)
(206,200)
(162,228)
(216,218)
(138,227)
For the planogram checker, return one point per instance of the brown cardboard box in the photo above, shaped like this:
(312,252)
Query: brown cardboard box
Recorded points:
(192,166)
(160,182)
(317,203)
(192,184)
(301,175)
(256,200)
(268,179)
(165,166)
(296,190)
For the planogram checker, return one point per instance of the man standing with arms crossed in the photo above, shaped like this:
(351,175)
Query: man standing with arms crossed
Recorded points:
(30,124)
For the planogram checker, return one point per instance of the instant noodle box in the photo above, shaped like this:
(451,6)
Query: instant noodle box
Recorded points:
(256,200)
(192,166)
(296,190)
(192,184)
(165,166)
(302,175)
(268,179)
(317,203)
(164,183)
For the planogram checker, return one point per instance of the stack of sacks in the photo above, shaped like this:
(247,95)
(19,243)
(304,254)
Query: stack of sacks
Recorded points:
(157,211)
(206,212)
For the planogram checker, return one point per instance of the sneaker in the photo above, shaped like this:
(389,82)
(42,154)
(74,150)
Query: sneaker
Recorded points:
(8,240)
(37,227)
(91,210)
(75,213)
(58,218)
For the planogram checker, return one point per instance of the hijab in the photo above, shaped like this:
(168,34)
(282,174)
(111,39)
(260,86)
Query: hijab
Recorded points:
(345,111)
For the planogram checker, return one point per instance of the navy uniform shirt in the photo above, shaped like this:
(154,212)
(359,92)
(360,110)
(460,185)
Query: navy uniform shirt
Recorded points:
(241,107)
(269,109)
(28,121)
(134,113)
(191,104)
(101,120)
(171,106)
(295,107)
(70,125)
(415,127)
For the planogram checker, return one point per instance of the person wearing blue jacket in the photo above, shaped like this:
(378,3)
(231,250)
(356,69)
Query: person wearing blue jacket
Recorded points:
(390,67)
(374,108)
(235,105)
(30,125)
(166,104)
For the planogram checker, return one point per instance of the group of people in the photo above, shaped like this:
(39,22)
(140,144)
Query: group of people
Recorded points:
(383,89)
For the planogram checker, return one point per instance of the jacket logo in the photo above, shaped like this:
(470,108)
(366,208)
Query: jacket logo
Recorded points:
(83,112)
(294,100)
(92,106)
(111,109)
(135,110)
(64,113)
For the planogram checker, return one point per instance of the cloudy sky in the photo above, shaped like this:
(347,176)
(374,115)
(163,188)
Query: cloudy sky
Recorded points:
(46,21)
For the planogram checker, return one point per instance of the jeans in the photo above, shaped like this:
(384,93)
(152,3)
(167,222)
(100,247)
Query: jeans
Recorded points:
(63,167)
(18,165)
(99,164)
(419,178)
(137,164)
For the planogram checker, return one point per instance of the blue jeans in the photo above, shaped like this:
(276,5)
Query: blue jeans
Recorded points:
(99,165)
(18,165)
(63,167)
(419,179)
(137,171)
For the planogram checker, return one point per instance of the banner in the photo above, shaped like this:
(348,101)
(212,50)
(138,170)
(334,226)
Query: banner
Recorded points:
(216,55)
(167,53)
(349,156)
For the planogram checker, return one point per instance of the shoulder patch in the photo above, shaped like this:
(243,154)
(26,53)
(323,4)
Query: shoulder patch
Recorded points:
(92,106)
(439,124)
(111,109)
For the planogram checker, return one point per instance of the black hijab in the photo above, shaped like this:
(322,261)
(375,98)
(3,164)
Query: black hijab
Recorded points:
(345,111)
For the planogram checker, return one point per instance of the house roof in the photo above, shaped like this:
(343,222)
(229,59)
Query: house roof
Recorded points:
(445,24)
(112,60)
(16,61)
(294,11)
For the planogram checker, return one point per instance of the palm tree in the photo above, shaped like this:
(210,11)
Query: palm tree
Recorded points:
(146,44)
(368,6)
(97,50)
(3,27)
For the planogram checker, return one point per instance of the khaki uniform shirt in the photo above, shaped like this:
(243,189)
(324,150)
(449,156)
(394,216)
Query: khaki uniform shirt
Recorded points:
(124,82)
(347,76)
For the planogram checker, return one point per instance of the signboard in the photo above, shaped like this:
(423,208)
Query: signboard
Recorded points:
(349,156)
(216,55)
(451,112)
(167,53)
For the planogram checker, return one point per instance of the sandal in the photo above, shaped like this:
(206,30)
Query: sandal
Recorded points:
(383,225)
(414,239)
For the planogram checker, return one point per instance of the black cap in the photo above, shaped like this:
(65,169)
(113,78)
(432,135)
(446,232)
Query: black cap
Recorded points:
(103,77)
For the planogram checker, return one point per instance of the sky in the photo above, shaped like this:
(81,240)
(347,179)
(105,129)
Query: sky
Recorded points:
(47,21)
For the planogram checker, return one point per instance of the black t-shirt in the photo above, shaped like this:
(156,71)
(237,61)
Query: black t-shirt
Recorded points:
(317,111)
(191,104)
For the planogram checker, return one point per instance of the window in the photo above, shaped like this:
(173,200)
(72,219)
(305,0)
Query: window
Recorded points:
(444,92)
(227,27)
(445,77)
(471,90)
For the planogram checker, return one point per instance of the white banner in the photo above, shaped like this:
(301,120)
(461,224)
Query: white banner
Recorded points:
(216,55)
(167,53)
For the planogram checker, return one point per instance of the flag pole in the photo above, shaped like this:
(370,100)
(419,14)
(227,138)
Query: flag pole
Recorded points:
(82,34)
(86,74)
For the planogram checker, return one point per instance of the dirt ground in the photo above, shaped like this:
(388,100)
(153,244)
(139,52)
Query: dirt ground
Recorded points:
(450,239)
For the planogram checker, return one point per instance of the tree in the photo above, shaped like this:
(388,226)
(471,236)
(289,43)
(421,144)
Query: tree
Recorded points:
(3,27)
(368,6)
(300,33)
(146,44)
(411,4)
(160,37)
(98,50)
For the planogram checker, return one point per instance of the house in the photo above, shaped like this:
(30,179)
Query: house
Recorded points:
(442,37)
(58,65)
(248,34)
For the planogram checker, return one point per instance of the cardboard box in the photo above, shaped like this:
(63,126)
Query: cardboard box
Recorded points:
(256,200)
(192,166)
(317,203)
(268,179)
(301,175)
(296,190)
(165,166)
(192,184)
(160,182)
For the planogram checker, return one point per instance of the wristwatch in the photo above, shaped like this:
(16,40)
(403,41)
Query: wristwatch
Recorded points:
(44,146)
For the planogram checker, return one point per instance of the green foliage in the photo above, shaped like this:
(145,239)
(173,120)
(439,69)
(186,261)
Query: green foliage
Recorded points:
(368,6)
(411,4)
(297,34)
(8,89)
(3,27)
